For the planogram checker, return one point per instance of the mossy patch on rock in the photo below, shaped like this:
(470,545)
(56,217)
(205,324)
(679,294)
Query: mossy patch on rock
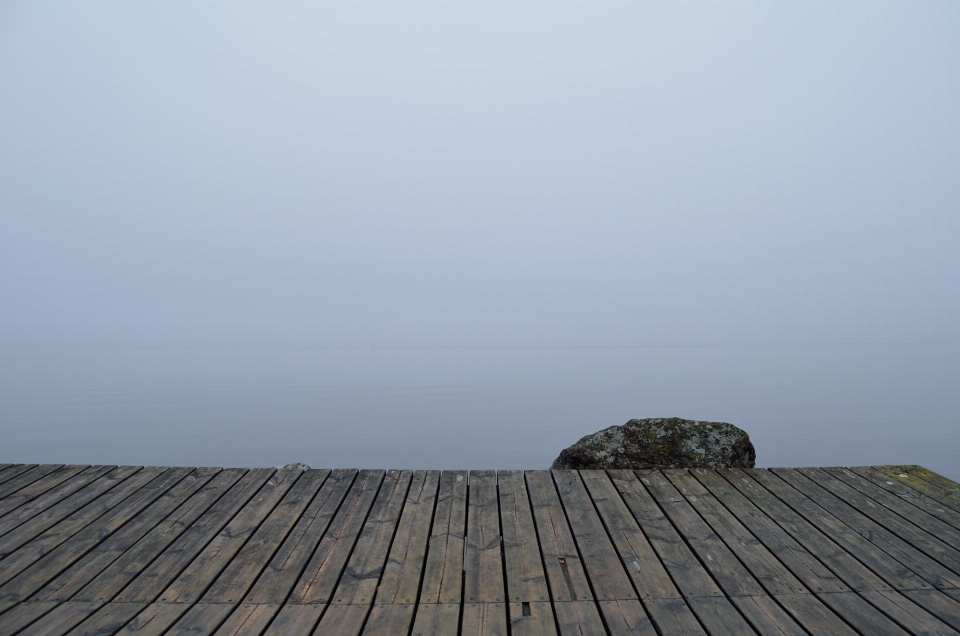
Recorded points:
(661,443)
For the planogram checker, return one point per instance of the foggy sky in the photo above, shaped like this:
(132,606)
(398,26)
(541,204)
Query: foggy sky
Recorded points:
(179,174)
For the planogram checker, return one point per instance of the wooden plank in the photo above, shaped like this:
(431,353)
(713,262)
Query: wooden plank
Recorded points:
(578,618)
(530,618)
(113,493)
(844,565)
(60,619)
(343,620)
(400,583)
(155,619)
(192,582)
(894,574)
(760,562)
(526,580)
(483,566)
(202,619)
(904,475)
(900,551)
(688,574)
(25,475)
(565,574)
(600,559)
(626,618)
(296,619)
(359,581)
(278,579)
(908,614)
(108,619)
(920,529)
(249,619)
(719,616)
(730,574)
(17,618)
(437,619)
(41,503)
(949,486)
(811,572)
(151,581)
(5,467)
(389,620)
(443,573)
(483,619)
(639,559)
(238,577)
(131,563)
(43,559)
(914,497)
(766,616)
(937,603)
(74,578)
(814,615)
(673,617)
(319,579)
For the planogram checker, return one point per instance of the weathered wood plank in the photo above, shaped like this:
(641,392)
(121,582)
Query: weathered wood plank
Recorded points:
(912,496)
(949,486)
(763,613)
(600,559)
(483,567)
(192,582)
(847,568)
(202,619)
(436,619)
(691,579)
(149,583)
(908,614)
(278,579)
(296,619)
(814,575)
(901,551)
(565,574)
(578,618)
(20,475)
(104,586)
(719,616)
(155,619)
(937,603)
(343,620)
(74,578)
(646,571)
(359,581)
(921,530)
(484,619)
(389,620)
(814,615)
(237,578)
(20,616)
(113,493)
(108,619)
(673,617)
(906,476)
(249,619)
(526,580)
(319,579)
(531,618)
(400,583)
(865,553)
(43,510)
(760,562)
(443,573)
(60,620)
(44,558)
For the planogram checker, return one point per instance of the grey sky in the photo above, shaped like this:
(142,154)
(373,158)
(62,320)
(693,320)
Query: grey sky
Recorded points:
(478,172)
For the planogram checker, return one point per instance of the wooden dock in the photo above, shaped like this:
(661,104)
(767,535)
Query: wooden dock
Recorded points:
(123,550)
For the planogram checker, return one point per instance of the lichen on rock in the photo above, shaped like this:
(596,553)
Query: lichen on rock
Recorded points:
(661,443)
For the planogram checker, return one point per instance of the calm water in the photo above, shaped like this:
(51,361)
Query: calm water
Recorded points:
(472,407)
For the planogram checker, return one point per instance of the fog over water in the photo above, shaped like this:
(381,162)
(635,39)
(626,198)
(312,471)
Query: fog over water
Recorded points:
(465,234)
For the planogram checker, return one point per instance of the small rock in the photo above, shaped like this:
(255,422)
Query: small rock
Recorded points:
(661,443)
(298,465)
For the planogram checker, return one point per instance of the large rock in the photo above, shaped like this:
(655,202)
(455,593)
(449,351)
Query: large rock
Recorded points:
(661,443)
